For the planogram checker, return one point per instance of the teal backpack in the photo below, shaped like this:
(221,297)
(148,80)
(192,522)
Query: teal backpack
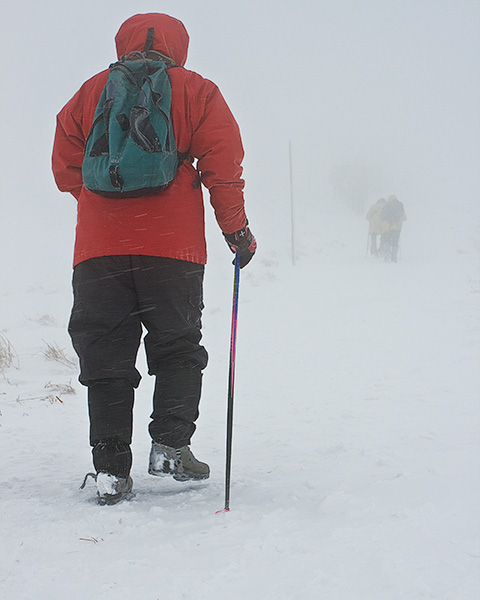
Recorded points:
(130,150)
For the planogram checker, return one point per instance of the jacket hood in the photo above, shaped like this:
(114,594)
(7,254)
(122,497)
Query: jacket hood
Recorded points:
(171,37)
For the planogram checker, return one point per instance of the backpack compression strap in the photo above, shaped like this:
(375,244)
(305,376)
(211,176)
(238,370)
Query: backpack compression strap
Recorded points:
(148,52)
(151,54)
(149,41)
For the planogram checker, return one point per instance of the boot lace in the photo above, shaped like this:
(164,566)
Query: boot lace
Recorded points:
(92,475)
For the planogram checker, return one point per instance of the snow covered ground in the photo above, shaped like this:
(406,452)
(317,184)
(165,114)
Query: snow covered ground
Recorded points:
(356,440)
(356,446)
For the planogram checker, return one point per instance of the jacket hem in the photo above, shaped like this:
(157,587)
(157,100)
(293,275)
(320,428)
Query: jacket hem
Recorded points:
(193,258)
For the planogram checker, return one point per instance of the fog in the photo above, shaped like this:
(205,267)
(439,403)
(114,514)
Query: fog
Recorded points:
(375,97)
(356,387)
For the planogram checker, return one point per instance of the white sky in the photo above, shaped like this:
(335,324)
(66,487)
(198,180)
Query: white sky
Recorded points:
(390,85)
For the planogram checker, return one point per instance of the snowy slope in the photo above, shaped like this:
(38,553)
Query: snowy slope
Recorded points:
(355,458)
(356,441)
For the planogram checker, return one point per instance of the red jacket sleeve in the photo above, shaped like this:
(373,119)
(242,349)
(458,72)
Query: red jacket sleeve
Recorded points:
(73,124)
(217,144)
(67,156)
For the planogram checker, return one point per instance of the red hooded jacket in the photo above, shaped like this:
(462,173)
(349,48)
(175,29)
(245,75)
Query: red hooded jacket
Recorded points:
(169,223)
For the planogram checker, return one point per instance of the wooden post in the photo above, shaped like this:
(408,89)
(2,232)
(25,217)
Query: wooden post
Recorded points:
(292,214)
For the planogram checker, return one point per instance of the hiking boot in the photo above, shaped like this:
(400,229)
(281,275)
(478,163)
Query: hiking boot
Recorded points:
(394,254)
(178,462)
(110,488)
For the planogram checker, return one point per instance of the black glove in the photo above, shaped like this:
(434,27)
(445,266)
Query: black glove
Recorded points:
(244,241)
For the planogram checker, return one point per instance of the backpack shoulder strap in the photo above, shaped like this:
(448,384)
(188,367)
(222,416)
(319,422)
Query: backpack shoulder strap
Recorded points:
(154,55)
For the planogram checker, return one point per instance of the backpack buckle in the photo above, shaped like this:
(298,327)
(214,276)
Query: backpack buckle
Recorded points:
(115,177)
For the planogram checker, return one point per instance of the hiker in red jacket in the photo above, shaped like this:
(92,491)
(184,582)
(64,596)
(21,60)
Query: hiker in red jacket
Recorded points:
(139,262)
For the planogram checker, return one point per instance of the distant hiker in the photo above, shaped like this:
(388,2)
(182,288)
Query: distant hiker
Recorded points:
(393,217)
(374,218)
(140,246)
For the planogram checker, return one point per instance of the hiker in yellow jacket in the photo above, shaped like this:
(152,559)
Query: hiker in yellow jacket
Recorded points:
(376,225)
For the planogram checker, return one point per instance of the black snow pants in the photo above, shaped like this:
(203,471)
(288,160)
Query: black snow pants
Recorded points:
(389,244)
(114,296)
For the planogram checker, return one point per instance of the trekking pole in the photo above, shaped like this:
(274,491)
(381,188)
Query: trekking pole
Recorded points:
(231,381)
